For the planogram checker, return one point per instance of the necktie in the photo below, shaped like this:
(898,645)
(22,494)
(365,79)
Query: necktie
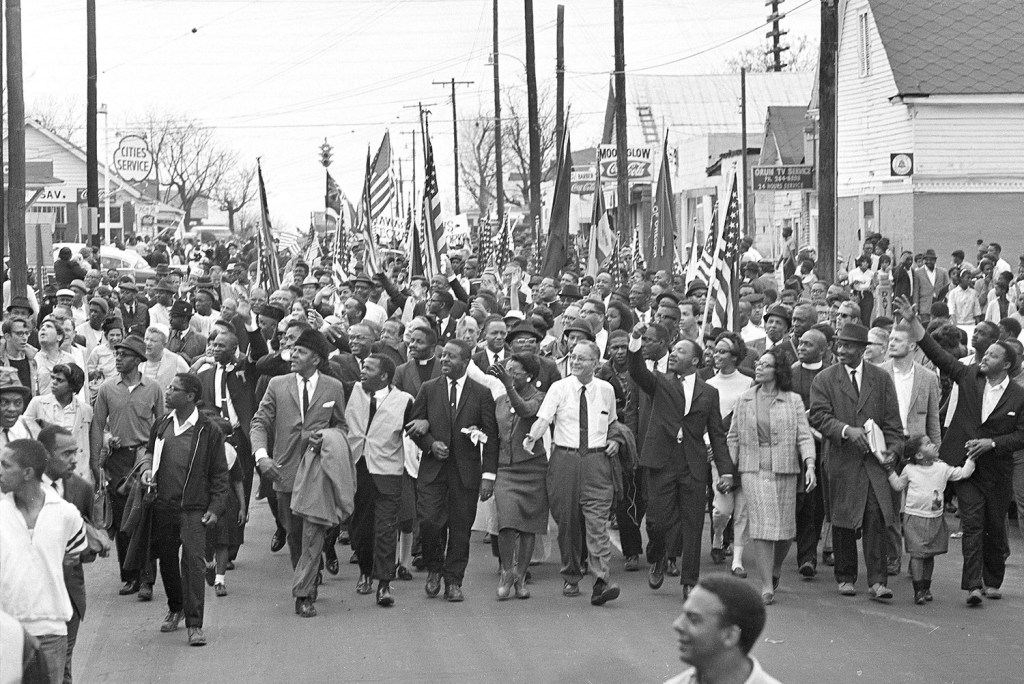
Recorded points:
(224,392)
(54,485)
(305,397)
(853,379)
(7,436)
(373,408)
(453,399)
(686,399)
(496,360)
(584,421)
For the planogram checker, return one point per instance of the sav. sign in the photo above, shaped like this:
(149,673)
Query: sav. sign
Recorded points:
(132,159)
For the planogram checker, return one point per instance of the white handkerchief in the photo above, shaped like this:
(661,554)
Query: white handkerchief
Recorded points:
(329,404)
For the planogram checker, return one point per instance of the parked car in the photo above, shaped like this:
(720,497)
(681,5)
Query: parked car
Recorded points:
(126,263)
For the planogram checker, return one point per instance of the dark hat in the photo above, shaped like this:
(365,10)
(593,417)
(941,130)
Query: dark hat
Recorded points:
(135,344)
(580,328)
(930,254)
(165,285)
(570,291)
(781,311)
(755,298)
(113,323)
(20,302)
(102,303)
(361,278)
(314,341)
(80,284)
(523,328)
(9,382)
(695,286)
(671,295)
(271,311)
(535,280)
(852,332)
(622,291)
(128,287)
(181,308)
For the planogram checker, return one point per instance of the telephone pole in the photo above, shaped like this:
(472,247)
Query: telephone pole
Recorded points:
(531,102)
(498,180)
(455,132)
(776,34)
(827,140)
(16,152)
(92,181)
(744,214)
(622,212)
(560,74)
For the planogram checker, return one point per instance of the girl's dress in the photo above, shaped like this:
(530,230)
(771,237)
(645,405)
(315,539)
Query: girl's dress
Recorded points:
(924,526)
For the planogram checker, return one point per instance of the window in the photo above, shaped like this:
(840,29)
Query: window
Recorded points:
(869,209)
(864,44)
(60,211)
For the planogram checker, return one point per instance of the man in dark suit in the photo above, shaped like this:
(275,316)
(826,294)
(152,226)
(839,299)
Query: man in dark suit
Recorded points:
(683,408)
(777,323)
(441,307)
(134,313)
(61,449)
(495,331)
(988,425)
(843,398)
(451,477)
(186,343)
(423,364)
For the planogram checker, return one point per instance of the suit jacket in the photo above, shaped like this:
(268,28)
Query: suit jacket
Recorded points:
(791,440)
(548,374)
(834,405)
(241,388)
(79,493)
(925,293)
(407,377)
(923,413)
(137,322)
(482,358)
(476,407)
(787,348)
(662,447)
(279,418)
(1004,426)
(190,346)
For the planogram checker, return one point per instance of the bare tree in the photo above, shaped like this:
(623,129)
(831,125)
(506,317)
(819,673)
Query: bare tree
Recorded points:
(236,191)
(194,162)
(477,161)
(801,56)
(64,116)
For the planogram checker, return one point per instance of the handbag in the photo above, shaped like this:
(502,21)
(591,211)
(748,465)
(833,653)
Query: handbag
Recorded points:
(102,511)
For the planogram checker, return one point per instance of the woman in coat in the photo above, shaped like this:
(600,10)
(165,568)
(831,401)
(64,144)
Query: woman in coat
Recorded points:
(769,437)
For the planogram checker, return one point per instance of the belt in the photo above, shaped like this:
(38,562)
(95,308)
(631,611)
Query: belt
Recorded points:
(595,450)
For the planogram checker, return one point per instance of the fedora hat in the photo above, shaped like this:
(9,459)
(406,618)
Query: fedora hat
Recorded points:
(781,311)
(166,286)
(181,308)
(135,344)
(9,382)
(570,291)
(21,302)
(855,333)
(580,328)
(523,328)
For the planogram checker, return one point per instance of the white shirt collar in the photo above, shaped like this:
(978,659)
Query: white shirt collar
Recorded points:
(812,366)
(381,394)
(859,370)
(998,387)
(48,483)
(189,422)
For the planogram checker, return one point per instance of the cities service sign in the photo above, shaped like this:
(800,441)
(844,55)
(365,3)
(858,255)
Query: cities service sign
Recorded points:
(132,159)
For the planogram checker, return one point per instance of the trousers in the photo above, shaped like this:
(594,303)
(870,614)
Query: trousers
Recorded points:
(375,522)
(983,503)
(445,507)
(183,579)
(305,545)
(873,540)
(676,518)
(53,651)
(631,511)
(580,493)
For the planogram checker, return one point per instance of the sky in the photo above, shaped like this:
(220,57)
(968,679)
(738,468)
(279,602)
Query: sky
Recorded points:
(277,77)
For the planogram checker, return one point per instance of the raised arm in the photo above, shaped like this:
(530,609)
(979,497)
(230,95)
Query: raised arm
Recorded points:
(943,360)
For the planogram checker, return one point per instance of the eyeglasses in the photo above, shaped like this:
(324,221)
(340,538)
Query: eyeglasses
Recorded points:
(767,366)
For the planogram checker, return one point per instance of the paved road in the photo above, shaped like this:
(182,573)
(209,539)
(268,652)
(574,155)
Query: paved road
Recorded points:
(813,635)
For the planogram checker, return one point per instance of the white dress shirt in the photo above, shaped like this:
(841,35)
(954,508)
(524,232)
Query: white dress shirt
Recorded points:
(991,396)
(219,400)
(859,370)
(460,384)
(904,392)
(313,379)
(561,407)
(689,383)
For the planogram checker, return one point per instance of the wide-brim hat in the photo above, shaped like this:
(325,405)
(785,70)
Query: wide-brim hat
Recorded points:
(523,328)
(314,341)
(10,382)
(781,311)
(128,287)
(580,328)
(855,333)
(361,278)
(181,308)
(165,286)
(930,254)
(696,286)
(135,344)
(21,302)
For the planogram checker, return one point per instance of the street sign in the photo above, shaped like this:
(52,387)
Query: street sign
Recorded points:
(777,178)
(132,159)
(640,164)
(901,164)
(583,179)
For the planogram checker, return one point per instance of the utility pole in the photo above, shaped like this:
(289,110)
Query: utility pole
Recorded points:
(745,224)
(622,213)
(827,140)
(560,74)
(455,132)
(16,153)
(776,34)
(92,181)
(499,182)
(413,133)
(531,102)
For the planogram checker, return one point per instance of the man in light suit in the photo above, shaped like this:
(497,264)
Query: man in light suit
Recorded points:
(988,425)
(61,449)
(917,392)
(451,476)
(295,408)
(683,408)
(931,283)
(843,398)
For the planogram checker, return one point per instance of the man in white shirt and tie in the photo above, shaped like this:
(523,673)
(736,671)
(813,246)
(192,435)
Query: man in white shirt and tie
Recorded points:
(581,407)
(495,331)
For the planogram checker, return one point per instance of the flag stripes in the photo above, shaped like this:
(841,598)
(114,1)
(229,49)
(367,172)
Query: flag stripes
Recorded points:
(435,241)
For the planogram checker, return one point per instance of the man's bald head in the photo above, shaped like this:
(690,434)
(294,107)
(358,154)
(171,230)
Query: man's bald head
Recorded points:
(812,346)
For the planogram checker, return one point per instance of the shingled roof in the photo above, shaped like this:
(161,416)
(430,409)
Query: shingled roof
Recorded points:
(952,47)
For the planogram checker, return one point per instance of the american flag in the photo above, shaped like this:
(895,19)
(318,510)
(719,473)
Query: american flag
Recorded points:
(366,218)
(382,180)
(726,271)
(485,240)
(335,203)
(436,242)
(268,272)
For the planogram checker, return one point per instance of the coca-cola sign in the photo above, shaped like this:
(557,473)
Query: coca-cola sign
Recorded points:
(640,162)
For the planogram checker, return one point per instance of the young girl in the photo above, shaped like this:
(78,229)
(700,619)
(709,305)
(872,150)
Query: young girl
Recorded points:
(924,528)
